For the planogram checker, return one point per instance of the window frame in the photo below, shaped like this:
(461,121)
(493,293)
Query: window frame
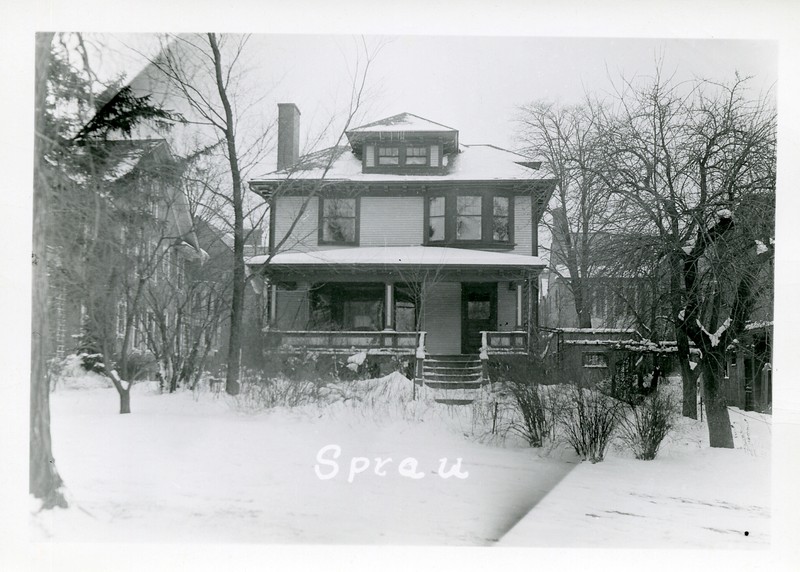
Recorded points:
(378,155)
(357,225)
(487,219)
(586,360)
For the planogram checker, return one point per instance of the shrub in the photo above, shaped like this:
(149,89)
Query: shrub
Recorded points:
(537,408)
(589,419)
(258,393)
(647,423)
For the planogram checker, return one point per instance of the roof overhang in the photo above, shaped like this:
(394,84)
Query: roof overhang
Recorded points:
(399,261)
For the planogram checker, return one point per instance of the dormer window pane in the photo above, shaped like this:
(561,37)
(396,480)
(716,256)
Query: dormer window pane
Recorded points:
(468,218)
(416,156)
(388,156)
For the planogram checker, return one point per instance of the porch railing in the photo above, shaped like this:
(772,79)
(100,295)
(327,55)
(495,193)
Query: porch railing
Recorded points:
(342,341)
(515,342)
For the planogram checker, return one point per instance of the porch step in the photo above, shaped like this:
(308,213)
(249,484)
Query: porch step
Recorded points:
(457,378)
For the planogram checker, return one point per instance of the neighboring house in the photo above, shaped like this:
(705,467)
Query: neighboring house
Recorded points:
(614,299)
(404,241)
(151,231)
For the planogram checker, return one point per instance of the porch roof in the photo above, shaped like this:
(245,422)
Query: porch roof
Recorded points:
(400,258)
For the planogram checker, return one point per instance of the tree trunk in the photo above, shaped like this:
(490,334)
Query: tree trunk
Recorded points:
(125,400)
(45,481)
(689,378)
(719,422)
(237,298)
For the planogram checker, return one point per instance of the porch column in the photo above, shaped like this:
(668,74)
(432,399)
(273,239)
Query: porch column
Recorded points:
(273,304)
(520,286)
(389,307)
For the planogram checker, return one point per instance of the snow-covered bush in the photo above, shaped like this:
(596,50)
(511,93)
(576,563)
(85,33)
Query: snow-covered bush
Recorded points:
(589,419)
(644,425)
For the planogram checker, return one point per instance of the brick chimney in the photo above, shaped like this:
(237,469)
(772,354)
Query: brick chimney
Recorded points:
(288,135)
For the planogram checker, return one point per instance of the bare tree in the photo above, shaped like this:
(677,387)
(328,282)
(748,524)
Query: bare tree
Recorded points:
(692,161)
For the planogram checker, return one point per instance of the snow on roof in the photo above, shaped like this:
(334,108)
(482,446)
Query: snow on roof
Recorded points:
(407,256)
(401,122)
(473,163)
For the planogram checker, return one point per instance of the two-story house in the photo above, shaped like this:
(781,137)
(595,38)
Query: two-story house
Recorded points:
(404,240)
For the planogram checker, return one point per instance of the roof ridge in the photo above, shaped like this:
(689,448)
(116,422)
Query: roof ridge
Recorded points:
(397,115)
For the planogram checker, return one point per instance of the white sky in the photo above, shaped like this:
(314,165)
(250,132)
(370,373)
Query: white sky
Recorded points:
(474,84)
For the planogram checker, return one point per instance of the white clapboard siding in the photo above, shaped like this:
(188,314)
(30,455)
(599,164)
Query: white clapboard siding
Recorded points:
(292,308)
(523,236)
(506,307)
(391,221)
(304,237)
(442,318)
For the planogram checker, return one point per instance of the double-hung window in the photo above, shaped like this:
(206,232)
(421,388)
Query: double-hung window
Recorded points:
(388,155)
(436,219)
(416,155)
(469,217)
(501,228)
(338,224)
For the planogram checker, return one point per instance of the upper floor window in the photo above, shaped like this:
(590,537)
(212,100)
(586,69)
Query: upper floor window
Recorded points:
(416,156)
(338,220)
(388,155)
(468,218)
(501,222)
(436,218)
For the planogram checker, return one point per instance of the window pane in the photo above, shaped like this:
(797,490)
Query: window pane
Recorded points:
(363,315)
(468,228)
(405,317)
(500,206)
(415,151)
(340,207)
(500,229)
(388,161)
(436,205)
(479,310)
(416,160)
(339,230)
(469,205)
(436,228)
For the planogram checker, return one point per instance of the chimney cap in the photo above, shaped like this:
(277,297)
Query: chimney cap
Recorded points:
(297,109)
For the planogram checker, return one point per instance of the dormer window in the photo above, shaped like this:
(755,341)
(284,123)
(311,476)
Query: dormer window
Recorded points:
(416,155)
(388,155)
(404,157)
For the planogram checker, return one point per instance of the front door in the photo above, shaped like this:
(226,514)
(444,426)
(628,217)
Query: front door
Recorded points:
(478,313)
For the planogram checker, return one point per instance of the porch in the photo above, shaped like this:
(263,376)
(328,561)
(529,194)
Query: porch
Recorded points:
(403,300)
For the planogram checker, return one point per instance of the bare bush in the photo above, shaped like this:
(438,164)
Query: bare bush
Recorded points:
(258,393)
(537,409)
(647,423)
(589,419)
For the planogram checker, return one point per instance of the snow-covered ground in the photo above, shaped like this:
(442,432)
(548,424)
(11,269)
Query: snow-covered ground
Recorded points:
(207,468)
(180,469)
(690,496)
